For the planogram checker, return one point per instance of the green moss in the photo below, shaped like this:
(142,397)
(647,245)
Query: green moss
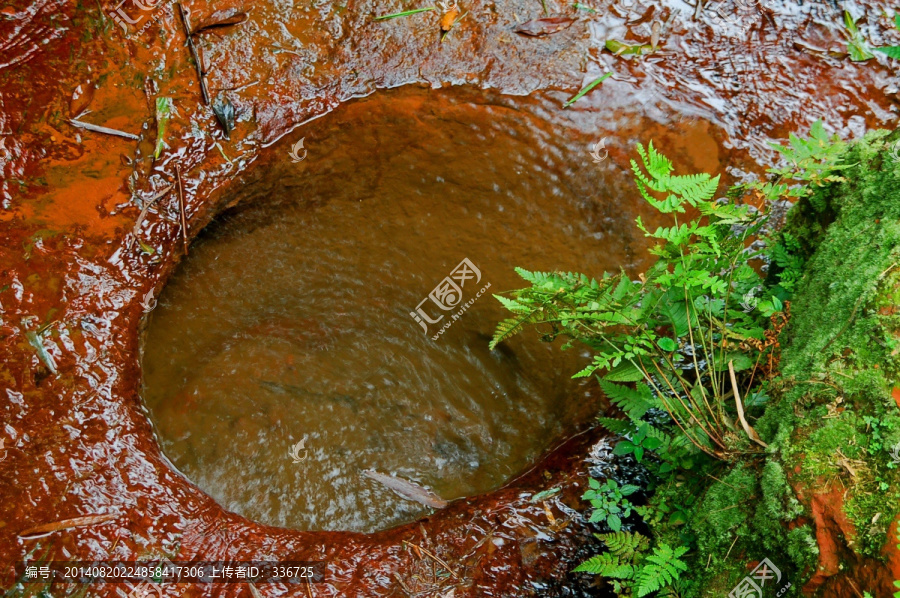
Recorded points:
(836,419)
(831,419)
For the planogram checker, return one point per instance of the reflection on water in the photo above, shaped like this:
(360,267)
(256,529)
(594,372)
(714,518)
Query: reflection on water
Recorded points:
(290,320)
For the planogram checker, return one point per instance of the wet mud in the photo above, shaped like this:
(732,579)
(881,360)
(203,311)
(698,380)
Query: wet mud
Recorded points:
(77,277)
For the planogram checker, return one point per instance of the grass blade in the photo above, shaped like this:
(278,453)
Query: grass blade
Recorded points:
(405,13)
(587,88)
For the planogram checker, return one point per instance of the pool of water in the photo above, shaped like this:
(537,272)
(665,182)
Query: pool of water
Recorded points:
(290,321)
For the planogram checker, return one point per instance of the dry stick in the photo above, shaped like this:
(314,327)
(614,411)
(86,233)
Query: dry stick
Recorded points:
(137,225)
(105,130)
(181,208)
(437,558)
(402,585)
(855,588)
(67,524)
(309,591)
(190,40)
(736,536)
(740,409)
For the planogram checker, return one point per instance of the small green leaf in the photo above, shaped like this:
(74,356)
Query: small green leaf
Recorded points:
(624,447)
(544,495)
(678,518)
(586,89)
(667,344)
(614,523)
(629,489)
(652,443)
(38,343)
(164,109)
(892,51)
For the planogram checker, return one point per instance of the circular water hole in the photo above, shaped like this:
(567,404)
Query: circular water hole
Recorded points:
(284,359)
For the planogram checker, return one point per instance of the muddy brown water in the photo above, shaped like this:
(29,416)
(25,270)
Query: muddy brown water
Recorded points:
(290,321)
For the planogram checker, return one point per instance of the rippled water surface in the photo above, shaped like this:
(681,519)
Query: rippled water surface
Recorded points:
(291,319)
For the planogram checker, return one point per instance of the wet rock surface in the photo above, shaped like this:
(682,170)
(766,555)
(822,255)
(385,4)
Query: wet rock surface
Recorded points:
(76,278)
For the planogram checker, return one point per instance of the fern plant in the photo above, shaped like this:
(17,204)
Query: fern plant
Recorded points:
(634,569)
(677,329)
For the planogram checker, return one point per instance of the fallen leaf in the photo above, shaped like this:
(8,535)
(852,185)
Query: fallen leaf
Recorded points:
(81,99)
(219,20)
(549,514)
(224,111)
(620,49)
(544,26)
(37,342)
(164,109)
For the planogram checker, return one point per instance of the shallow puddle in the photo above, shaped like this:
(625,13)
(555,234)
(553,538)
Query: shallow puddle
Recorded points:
(291,319)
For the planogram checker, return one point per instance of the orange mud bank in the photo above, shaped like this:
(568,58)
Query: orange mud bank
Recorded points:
(76,275)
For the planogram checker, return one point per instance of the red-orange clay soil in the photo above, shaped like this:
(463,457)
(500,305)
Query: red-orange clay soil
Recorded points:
(77,274)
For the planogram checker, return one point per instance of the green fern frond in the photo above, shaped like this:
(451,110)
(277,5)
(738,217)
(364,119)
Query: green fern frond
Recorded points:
(625,544)
(633,401)
(510,327)
(693,189)
(607,565)
(664,568)
(617,426)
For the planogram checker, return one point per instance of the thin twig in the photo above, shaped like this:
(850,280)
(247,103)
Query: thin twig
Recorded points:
(190,41)
(736,536)
(137,225)
(106,130)
(181,208)
(437,558)
(67,524)
(740,409)
(402,585)
(855,588)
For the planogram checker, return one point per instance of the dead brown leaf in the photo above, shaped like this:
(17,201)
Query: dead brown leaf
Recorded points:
(544,26)
(219,20)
